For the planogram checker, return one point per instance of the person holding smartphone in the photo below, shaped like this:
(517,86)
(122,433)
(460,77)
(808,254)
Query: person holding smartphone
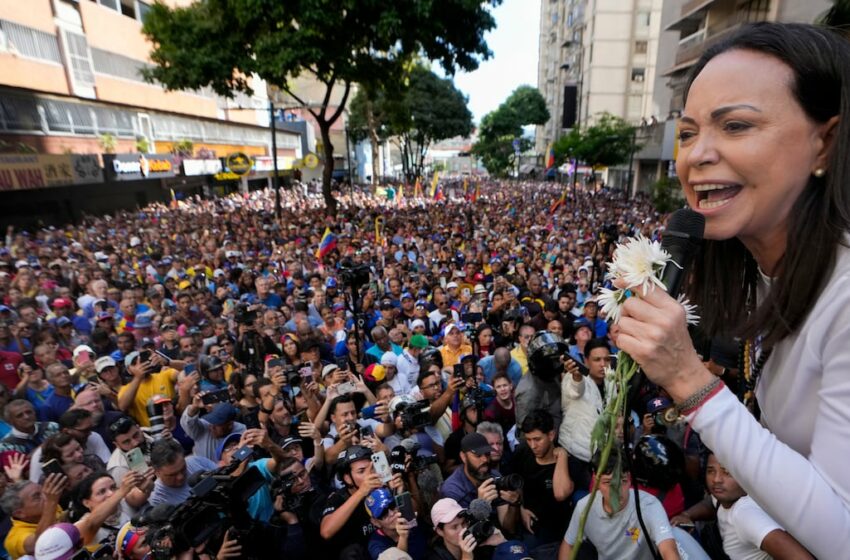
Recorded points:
(581,402)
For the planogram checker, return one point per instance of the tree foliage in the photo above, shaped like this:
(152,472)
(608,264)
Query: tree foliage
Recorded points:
(427,110)
(222,43)
(608,142)
(525,106)
(666,195)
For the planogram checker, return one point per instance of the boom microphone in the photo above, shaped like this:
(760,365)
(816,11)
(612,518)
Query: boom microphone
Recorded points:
(480,509)
(681,239)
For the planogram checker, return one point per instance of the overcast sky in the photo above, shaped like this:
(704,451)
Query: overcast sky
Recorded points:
(514,44)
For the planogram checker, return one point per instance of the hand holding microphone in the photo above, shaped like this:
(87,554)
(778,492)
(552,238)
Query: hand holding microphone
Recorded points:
(653,327)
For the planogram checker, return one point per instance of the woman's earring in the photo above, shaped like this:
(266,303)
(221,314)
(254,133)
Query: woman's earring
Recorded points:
(819,172)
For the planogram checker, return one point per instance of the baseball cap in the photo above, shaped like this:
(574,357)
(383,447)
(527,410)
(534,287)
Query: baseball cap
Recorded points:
(658,403)
(387,304)
(58,542)
(219,451)
(143,321)
(378,502)
(62,321)
(329,369)
(331,283)
(418,341)
(421,303)
(103,315)
(445,510)
(511,550)
(374,372)
(451,285)
(406,295)
(221,414)
(417,323)
(102,363)
(59,303)
(479,289)
(290,441)
(82,348)
(394,553)
(475,443)
(449,328)
(126,539)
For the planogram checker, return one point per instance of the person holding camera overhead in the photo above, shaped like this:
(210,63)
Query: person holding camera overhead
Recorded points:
(475,480)
(150,376)
(210,430)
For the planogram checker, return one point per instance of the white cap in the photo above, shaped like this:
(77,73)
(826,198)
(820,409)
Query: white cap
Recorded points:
(389,359)
(82,348)
(329,369)
(451,285)
(102,363)
(480,289)
(417,323)
(134,241)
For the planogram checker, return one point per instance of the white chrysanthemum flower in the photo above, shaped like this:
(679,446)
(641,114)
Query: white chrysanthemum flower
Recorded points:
(611,385)
(639,262)
(691,316)
(611,303)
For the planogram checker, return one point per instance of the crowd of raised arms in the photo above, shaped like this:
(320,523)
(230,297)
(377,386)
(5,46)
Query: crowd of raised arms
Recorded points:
(203,379)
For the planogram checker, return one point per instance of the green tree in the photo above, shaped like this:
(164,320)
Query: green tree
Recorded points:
(666,195)
(108,143)
(222,43)
(499,128)
(837,17)
(610,141)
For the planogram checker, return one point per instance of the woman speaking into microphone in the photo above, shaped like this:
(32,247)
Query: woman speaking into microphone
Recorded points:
(764,155)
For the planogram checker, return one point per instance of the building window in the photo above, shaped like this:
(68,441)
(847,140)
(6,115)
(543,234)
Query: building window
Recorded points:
(643,19)
(753,11)
(113,64)
(640,47)
(78,54)
(111,4)
(638,74)
(30,42)
(143,11)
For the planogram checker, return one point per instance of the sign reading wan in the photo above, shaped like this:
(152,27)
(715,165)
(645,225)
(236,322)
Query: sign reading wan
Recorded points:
(33,171)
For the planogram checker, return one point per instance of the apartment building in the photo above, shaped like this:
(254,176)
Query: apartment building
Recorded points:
(689,27)
(70,84)
(597,56)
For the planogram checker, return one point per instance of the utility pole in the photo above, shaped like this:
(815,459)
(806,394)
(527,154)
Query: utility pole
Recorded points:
(275,178)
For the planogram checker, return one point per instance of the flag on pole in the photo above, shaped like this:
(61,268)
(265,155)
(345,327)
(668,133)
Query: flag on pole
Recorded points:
(465,186)
(558,203)
(417,188)
(327,244)
(434,182)
(439,194)
(550,156)
(400,195)
(477,192)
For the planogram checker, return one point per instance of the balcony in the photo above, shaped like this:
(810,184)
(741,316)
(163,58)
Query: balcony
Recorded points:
(693,13)
(693,46)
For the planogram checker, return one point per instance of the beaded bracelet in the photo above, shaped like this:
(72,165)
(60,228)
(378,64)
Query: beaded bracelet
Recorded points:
(698,399)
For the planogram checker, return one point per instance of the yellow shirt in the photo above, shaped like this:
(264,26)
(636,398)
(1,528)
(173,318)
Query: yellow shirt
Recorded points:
(521,358)
(161,383)
(452,357)
(19,532)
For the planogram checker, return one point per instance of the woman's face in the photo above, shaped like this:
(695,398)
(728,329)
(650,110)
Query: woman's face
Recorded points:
(747,149)
(485,337)
(72,453)
(101,490)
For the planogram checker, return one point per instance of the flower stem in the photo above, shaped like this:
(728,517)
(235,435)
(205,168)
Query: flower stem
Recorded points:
(619,409)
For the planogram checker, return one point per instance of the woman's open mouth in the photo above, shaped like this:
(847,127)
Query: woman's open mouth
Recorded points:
(715,195)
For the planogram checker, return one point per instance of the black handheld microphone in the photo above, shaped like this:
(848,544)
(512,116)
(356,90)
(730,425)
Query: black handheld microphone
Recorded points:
(681,239)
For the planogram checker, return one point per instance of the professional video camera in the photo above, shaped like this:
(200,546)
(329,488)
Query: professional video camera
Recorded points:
(414,415)
(352,275)
(479,397)
(244,315)
(219,502)
(478,515)
(410,448)
(282,486)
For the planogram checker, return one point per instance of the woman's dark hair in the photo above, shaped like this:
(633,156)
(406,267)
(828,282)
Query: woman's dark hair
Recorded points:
(82,492)
(725,278)
(52,447)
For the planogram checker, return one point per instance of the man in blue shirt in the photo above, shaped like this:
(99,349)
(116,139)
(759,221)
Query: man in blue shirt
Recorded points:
(500,362)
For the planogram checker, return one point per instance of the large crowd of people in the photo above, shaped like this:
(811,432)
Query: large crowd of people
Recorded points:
(412,378)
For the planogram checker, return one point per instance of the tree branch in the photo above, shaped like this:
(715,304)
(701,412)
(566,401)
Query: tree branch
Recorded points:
(341,107)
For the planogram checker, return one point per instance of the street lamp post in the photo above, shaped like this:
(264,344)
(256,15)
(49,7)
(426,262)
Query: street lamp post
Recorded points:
(275,179)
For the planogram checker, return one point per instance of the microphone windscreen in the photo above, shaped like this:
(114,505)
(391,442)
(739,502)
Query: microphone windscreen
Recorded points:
(409,444)
(687,221)
(428,482)
(480,509)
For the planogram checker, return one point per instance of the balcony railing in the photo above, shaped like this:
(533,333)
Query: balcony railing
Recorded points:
(689,50)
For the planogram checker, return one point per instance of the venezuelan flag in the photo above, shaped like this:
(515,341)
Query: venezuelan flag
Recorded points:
(558,203)
(434,181)
(327,244)
(550,156)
